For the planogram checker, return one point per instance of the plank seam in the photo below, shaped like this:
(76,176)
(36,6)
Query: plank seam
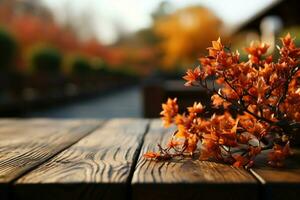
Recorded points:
(261,183)
(134,162)
(257,176)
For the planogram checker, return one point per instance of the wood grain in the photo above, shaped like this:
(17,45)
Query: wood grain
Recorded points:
(18,130)
(189,178)
(97,167)
(279,183)
(25,144)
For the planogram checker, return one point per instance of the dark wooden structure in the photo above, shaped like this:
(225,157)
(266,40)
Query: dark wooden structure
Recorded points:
(286,10)
(156,93)
(94,159)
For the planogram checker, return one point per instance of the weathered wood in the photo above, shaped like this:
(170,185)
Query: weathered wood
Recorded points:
(24,144)
(189,178)
(97,167)
(18,130)
(279,183)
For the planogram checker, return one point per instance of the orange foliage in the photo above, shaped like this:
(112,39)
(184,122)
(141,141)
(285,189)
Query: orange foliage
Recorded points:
(264,94)
(170,110)
(185,33)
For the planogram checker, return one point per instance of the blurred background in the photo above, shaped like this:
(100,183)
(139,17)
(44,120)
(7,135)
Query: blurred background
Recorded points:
(109,58)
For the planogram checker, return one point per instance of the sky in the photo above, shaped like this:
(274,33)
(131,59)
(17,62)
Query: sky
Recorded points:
(105,18)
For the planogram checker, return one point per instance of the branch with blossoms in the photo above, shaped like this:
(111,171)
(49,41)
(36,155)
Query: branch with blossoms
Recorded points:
(265,94)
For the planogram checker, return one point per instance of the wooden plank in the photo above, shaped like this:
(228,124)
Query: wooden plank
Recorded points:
(97,167)
(279,183)
(25,144)
(17,130)
(189,178)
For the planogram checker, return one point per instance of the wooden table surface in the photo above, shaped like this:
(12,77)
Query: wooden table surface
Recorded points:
(96,159)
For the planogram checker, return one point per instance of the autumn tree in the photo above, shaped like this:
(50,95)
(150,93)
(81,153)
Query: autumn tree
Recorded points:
(264,93)
(185,33)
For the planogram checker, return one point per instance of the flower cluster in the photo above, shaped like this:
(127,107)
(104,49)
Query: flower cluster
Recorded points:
(264,94)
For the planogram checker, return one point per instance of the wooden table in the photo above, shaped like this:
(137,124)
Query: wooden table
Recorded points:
(95,159)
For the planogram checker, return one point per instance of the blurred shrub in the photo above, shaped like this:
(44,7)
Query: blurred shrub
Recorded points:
(123,72)
(81,66)
(46,60)
(8,48)
(100,67)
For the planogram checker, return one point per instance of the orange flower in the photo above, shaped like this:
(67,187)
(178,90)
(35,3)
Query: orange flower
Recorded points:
(289,49)
(210,148)
(279,154)
(181,131)
(174,143)
(192,144)
(261,89)
(257,50)
(192,76)
(196,108)
(217,101)
(170,110)
(287,40)
(240,161)
(180,119)
(151,155)
(216,47)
